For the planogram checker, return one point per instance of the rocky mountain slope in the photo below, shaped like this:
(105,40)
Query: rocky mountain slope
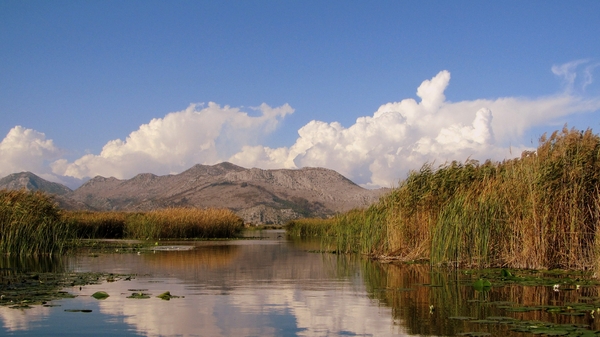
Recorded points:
(31,182)
(258,196)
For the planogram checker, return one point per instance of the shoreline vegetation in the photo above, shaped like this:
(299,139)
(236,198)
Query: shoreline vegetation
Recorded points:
(539,211)
(31,224)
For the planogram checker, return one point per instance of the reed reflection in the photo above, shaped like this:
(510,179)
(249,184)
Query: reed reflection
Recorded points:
(437,302)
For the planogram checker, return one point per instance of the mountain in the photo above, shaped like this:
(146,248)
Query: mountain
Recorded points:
(258,196)
(31,182)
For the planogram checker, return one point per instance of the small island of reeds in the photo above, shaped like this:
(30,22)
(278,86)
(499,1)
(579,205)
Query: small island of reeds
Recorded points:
(539,211)
(32,224)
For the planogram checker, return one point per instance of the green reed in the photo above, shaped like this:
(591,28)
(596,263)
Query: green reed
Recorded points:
(31,224)
(310,227)
(541,210)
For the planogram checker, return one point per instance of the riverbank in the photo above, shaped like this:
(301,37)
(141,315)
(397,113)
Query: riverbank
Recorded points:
(539,211)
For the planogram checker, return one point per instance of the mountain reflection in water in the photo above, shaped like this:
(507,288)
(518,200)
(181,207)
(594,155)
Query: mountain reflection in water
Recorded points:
(273,286)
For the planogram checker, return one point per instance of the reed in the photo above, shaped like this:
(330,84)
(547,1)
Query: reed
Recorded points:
(31,224)
(97,225)
(541,210)
(310,227)
(183,223)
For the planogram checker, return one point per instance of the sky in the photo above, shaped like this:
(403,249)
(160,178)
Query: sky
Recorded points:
(371,89)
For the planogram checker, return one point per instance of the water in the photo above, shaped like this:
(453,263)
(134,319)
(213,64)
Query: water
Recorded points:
(275,287)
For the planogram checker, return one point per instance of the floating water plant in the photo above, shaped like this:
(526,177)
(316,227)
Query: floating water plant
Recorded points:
(100,295)
(139,296)
(167,296)
(482,285)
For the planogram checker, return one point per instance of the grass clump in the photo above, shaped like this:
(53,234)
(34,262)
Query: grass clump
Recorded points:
(31,224)
(541,210)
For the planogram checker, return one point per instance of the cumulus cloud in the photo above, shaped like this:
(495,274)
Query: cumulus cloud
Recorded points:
(176,142)
(379,150)
(27,150)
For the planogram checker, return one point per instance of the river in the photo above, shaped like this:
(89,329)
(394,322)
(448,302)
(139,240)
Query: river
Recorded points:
(271,285)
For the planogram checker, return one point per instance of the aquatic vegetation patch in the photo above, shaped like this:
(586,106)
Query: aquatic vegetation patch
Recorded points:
(531,327)
(40,288)
(561,280)
(100,295)
(167,296)
(139,296)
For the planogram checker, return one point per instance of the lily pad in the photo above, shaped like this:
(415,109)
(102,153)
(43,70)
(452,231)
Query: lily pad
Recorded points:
(166,296)
(139,296)
(100,295)
(462,318)
(78,310)
(501,318)
(549,332)
(523,309)
(482,285)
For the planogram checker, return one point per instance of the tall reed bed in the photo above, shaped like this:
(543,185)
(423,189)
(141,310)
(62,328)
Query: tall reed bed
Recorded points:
(31,224)
(310,227)
(97,225)
(183,223)
(164,223)
(541,210)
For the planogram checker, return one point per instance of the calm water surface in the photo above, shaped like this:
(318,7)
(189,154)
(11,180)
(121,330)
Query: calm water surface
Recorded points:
(275,287)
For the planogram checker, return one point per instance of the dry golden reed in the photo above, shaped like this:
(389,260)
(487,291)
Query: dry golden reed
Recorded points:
(164,223)
(183,223)
(32,224)
(541,210)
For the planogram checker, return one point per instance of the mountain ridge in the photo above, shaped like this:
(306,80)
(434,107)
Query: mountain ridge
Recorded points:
(256,195)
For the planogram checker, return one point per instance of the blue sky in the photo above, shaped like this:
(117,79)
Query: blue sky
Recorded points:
(116,88)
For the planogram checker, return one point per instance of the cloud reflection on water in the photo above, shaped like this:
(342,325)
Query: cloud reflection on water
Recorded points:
(259,288)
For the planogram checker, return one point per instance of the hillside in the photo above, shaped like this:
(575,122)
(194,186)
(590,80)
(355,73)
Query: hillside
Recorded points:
(258,196)
(31,182)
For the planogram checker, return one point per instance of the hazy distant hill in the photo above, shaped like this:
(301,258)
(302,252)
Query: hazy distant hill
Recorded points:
(258,196)
(31,182)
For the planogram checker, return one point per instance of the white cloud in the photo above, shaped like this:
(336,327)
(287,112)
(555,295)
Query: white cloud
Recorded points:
(27,150)
(178,141)
(379,150)
(569,72)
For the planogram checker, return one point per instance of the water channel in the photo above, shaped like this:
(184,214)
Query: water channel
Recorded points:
(271,285)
